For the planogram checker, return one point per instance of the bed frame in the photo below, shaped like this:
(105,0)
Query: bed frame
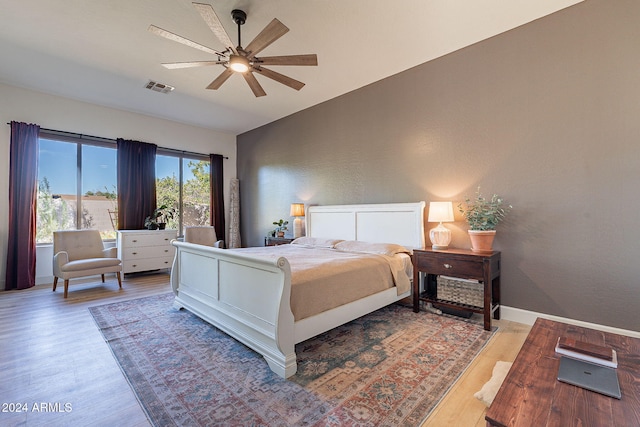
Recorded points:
(249,298)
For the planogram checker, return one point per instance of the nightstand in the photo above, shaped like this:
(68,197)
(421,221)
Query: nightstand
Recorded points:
(463,264)
(275,241)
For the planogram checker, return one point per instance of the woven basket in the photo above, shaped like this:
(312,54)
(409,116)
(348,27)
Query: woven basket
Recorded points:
(470,292)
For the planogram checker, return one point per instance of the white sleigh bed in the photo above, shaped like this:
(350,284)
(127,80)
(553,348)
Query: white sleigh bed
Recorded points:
(248,297)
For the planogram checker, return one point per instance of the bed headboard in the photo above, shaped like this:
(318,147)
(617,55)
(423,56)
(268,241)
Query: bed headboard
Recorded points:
(401,223)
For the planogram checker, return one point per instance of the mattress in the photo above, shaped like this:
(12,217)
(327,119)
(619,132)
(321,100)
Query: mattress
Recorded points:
(325,278)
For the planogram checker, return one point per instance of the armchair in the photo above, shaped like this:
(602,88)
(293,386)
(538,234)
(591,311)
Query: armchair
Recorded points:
(202,235)
(79,253)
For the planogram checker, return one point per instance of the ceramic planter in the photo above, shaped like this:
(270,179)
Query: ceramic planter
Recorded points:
(482,240)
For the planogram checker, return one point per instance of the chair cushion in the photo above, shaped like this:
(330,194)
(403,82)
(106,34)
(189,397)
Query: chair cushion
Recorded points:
(200,235)
(90,264)
(79,244)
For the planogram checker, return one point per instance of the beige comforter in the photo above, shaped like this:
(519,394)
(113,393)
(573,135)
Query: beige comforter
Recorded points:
(323,278)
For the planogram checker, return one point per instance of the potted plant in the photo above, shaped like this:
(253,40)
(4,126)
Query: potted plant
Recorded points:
(281,227)
(158,219)
(483,215)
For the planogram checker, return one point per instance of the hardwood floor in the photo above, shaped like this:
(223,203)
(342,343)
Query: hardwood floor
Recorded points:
(54,361)
(459,407)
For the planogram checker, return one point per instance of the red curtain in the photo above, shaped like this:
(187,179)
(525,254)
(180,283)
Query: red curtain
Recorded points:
(216,180)
(136,183)
(23,191)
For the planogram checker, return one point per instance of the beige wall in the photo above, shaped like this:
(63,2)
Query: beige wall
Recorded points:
(58,113)
(547,115)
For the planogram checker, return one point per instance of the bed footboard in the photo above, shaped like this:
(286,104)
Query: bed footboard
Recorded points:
(247,298)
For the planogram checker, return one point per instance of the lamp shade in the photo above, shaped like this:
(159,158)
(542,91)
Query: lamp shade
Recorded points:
(297,209)
(440,212)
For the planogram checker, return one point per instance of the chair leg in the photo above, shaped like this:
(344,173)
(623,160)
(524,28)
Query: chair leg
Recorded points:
(66,287)
(119,279)
(102,278)
(55,283)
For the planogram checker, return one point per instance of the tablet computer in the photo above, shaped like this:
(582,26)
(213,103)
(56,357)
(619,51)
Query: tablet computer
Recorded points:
(598,378)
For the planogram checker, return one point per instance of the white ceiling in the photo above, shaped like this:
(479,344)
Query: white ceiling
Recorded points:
(101,51)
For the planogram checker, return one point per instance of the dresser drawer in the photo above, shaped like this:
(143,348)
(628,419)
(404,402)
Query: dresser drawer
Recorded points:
(450,266)
(147,239)
(147,252)
(135,265)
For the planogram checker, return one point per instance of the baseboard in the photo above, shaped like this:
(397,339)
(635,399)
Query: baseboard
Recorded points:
(44,280)
(529,317)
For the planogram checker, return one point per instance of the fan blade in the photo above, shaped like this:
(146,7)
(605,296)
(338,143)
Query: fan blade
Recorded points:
(272,32)
(311,59)
(211,18)
(253,84)
(176,65)
(280,78)
(176,38)
(220,79)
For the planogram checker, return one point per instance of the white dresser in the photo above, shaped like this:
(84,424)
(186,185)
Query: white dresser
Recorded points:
(144,250)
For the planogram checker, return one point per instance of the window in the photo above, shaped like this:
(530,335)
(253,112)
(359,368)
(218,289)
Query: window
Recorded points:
(76,187)
(99,194)
(182,182)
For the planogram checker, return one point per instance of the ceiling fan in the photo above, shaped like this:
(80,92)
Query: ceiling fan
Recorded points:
(238,59)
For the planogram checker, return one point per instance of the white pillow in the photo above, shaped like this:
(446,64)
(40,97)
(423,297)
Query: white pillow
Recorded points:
(315,242)
(389,249)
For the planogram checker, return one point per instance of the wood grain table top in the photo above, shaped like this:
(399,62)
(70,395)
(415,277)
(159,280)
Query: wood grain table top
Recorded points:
(531,395)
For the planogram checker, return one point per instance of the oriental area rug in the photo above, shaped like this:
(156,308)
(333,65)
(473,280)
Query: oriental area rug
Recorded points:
(388,368)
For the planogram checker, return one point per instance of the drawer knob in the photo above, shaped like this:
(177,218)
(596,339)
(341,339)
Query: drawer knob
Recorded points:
(134,240)
(134,253)
(448,266)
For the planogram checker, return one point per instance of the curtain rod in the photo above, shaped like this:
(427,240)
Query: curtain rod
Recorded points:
(100,138)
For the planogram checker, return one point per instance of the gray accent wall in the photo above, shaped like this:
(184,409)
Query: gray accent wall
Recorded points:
(546,115)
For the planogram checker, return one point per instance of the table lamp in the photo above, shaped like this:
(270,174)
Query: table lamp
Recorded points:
(297,211)
(440,212)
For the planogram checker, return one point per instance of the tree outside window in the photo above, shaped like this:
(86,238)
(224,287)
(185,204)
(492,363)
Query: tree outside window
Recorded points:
(183,183)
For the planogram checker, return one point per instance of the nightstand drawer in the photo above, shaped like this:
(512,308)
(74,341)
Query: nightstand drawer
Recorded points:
(450,266)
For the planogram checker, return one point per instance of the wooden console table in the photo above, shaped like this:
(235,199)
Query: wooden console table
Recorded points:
(531,395)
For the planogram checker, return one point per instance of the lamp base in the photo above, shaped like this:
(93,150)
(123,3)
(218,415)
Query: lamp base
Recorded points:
(440,237)
(298,228)
(439,248)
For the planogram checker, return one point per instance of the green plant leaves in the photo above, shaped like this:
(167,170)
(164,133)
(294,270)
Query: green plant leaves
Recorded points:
(482,213)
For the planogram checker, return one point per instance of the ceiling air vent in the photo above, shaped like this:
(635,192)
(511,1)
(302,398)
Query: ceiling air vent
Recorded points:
(159,87)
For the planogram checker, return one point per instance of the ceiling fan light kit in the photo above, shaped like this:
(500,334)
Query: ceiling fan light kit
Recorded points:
(238,59)
(239,63)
